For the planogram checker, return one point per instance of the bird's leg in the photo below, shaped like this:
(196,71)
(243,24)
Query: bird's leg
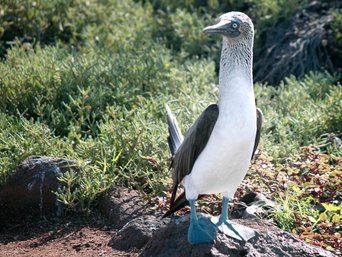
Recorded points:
(201,229)
(225,210)
(231,229)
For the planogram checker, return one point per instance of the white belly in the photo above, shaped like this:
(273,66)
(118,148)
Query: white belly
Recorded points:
(224,161)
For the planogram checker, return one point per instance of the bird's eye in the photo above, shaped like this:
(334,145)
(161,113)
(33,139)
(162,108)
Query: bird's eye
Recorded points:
(234,25)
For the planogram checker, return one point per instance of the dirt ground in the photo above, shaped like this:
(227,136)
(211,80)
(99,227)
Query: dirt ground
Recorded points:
(72,236)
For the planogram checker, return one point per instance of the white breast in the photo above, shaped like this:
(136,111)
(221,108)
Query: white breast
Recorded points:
(224,161)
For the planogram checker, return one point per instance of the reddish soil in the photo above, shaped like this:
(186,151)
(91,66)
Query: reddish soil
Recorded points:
(72,236)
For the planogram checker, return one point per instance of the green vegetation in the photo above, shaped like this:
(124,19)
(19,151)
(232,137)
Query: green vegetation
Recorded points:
(307,186)
(88,80)
(299,113)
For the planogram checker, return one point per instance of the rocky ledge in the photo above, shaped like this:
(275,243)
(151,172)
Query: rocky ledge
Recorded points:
(136,224)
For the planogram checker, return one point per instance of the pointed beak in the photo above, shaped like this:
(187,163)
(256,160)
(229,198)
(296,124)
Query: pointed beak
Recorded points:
(220,28)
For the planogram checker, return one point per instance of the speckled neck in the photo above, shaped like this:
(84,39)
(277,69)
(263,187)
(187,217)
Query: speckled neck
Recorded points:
(235,78)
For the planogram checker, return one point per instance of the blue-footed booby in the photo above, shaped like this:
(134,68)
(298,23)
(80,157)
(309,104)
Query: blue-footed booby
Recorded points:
(215,154)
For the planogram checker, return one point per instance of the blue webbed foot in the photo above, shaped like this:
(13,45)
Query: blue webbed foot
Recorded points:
(234,230)
(202,231)
(230,228)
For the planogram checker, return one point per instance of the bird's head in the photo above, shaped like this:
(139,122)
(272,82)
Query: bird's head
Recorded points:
(234,26)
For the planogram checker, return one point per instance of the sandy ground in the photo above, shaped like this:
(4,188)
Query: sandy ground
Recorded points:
(72,236)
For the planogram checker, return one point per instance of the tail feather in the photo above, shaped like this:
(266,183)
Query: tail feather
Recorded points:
(180,203)
(175,137)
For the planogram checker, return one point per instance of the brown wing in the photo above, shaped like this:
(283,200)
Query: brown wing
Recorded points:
(258,132)
(193,144)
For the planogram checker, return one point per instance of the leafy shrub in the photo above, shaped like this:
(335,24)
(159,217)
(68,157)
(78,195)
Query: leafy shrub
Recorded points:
(105,105)
(35,22)
(20,138)
(65,89)
(81,190)
(298,113)
(307,190)
(74,22)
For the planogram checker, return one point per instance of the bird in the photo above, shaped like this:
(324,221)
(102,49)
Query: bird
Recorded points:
(214,155)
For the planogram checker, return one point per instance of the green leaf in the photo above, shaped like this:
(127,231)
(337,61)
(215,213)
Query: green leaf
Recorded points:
(331,207)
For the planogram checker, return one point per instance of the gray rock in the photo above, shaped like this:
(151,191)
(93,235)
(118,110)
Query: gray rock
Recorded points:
(136,233)
(158,237)
(252,205)
(171,240)
(28,193)
(121,205)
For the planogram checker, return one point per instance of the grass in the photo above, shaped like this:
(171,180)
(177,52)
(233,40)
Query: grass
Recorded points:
(88,80)
(299,113)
